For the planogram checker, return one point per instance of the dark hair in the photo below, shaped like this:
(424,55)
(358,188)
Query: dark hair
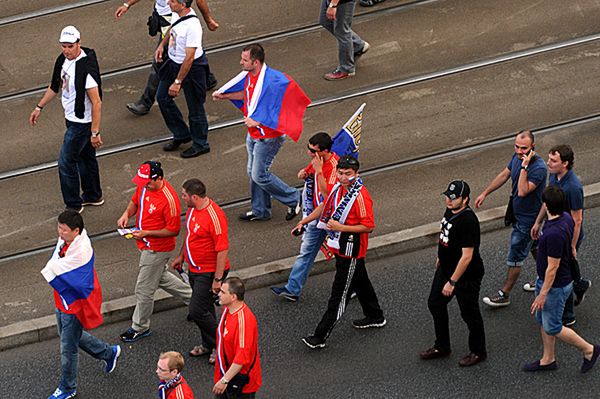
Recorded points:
(257,52)
(236,287)
(322,140)
(566,154)
(187,3)
(72,219)
(348,162)
(195,187)
(554,198)
(528,134)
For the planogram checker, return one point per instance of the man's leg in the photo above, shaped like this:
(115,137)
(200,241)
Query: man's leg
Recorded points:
(202,308)
(467,295)
(69,330)
(152,265)
(311,244)
(265,151)
(174,285)
(194,88)
(438,307)
(89,173)
(95,347)
(261,200)
(171,113)
(361,284)
(345,36)
(520,246)
(77,136)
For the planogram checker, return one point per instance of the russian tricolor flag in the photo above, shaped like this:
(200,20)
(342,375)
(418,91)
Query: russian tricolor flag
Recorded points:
(347,140)
(73,277)
(277,102)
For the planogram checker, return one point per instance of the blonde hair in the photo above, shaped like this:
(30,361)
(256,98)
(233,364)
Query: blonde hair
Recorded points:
(175,360)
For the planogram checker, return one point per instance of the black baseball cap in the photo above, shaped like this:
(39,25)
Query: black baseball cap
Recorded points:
(149,170)
(456,189)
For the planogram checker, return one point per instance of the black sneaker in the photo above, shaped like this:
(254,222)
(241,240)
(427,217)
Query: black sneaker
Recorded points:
(314,342)
(498,300)
(138,108)
(582,287)
(97,202)
(132,336)
(283,292)
(174,144)
(363,50)
(249,217)
(368,322)
(294,211)
(193,152)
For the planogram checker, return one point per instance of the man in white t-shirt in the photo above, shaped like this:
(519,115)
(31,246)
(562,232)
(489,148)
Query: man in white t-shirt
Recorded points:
(163,16)
(186,68)
(77,73)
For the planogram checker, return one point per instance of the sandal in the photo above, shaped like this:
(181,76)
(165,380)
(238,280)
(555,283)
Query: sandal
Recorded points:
(199,351)
(213,357)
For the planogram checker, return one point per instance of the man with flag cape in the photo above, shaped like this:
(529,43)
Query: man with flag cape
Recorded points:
(78,297)
(273,106)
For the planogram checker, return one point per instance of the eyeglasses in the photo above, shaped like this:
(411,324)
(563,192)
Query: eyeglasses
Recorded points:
(311,149)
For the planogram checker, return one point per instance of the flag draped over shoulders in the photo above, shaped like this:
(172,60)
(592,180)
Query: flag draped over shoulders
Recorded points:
(277,101)
(76,287)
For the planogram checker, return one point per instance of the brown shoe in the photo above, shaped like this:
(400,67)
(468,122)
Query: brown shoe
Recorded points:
(471,360)
(434,353)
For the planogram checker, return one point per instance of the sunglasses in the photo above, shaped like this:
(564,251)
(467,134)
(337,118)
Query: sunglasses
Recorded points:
(312,149)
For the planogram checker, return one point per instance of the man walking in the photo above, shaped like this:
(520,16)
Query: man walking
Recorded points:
(555,284)
(319,177)
(205,250)
(237,370)
(336,16)
(77,73)
(347,215)
(186,68)
(528,174)
(560,165)
(172,384)
(78,297)
(157,220)
(159,23)
(264,95)
(459,271)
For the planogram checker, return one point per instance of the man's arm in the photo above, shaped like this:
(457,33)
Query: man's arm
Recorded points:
(210,21)
(524,186)
(236,95)
(46,98)
(190,52)
(538,303)
(220,269)
(124,8)
(493,186)
(577,216)
(463,263)
(537,225)
(94,95)
(220,387)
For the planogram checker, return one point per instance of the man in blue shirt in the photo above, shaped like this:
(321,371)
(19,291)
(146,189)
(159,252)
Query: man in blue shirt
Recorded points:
(560,165)
(527,172)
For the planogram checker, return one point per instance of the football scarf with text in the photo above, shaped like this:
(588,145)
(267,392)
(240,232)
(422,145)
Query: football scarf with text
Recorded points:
(337,207)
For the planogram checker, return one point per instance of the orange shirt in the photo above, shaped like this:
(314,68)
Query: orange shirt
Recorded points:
(254,132)
(237,342)
(157,210)
(206,235)
(329,173)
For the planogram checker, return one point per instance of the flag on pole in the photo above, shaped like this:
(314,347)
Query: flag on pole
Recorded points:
(347,140)
(277,101)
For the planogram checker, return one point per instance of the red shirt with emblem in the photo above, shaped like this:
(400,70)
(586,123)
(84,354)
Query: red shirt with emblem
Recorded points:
(180,391)
(157,210)
(360,213)
(254,132)
(237,342)
(329,173)
(206,235)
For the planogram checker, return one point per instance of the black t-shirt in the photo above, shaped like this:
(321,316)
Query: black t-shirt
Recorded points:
(459,231)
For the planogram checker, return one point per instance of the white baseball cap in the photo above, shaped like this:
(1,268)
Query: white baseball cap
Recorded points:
(69,34)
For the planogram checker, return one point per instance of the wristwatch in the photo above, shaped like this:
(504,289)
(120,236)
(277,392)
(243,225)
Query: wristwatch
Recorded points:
(218,280)
(95,134)
(224,381)
(177,81)
(332,5)
(452,282)
(524,167)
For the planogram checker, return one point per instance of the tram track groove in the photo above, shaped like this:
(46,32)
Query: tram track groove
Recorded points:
(376,170)
(504,58)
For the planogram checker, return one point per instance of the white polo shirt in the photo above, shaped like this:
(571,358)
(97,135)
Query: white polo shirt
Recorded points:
(67,75)
(186,34)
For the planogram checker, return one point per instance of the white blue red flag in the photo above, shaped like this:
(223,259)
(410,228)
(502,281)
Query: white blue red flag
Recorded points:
(73,277)
(277,101)
(347,140)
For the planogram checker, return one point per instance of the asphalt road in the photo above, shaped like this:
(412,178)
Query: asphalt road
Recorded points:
(356,364)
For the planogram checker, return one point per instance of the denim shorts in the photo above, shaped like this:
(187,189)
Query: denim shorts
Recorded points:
(551,316)
(520,244)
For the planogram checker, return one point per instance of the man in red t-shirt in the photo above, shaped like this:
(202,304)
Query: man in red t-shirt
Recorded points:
(172,384)
(347,214)
(262,144)
(237,370)
(319,177)
(205,251)
(157,220)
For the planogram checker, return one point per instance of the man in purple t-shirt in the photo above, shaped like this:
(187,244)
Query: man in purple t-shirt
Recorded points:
(555,284)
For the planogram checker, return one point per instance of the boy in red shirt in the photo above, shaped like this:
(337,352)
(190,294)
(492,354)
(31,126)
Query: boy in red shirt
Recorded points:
(205,250)
(347,215)
(172,384)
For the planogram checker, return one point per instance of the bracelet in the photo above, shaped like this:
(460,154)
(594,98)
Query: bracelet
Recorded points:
(126,5)
(95,134)
(39,107)
(452,282)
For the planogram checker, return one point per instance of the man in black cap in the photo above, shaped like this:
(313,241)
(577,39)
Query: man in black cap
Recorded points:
(459,270)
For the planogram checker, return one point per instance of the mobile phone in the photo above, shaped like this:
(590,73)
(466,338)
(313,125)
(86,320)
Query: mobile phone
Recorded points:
(300,231)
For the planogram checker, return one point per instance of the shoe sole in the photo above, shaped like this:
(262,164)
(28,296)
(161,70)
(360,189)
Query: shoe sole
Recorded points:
(114,365)
(528,289)
(372,325)
(342,78)
(318,346)
(96,203)
(491,304)
(131,340)
(289,298)
(136,112)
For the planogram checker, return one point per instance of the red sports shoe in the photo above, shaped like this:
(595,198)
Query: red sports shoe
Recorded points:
(338,75)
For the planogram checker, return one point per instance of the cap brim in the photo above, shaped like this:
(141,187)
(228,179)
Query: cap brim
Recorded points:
(140,181)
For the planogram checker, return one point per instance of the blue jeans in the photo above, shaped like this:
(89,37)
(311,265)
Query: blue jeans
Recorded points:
(520,244)
(312,240)
(78,167)
(194,89)
(263,183)
(348,41)
(72,337)
(551,316)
